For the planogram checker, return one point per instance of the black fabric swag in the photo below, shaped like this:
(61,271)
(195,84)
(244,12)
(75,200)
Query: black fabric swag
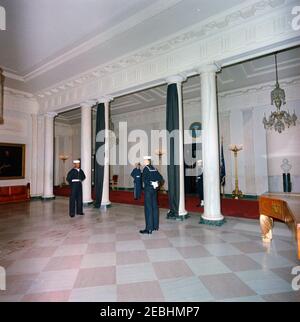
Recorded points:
(173,164)
(99,158)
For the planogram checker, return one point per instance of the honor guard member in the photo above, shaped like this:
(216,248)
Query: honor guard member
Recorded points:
(137,180)
(74,178)
(151,179)
(199,182)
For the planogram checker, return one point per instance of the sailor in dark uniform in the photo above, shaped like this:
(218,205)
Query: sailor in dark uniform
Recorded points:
(151,179)
(74,178)
(137,180)
(199,182)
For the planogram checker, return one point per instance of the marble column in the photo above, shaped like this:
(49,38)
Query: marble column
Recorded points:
(48,155)
(178,79)
(86,150)
(210,146)
(105,193)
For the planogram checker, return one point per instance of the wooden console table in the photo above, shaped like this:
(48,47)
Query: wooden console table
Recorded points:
(284,207)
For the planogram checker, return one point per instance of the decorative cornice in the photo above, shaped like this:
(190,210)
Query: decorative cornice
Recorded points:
(13,75)
(190,35)
(261,87)
(17,93)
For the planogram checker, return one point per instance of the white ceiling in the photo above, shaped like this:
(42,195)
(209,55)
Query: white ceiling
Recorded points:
(254,72)
(48,41)
(38,30)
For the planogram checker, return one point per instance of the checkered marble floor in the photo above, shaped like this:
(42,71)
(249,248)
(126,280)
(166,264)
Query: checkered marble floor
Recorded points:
(102,257)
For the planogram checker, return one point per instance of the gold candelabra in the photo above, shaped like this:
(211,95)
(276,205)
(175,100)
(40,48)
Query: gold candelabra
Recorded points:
(236,193)
(64,158)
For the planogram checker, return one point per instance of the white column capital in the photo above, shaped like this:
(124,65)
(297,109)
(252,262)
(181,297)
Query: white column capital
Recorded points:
(88,103)
(51,114)
(176,79)
(105,99)
(208,68)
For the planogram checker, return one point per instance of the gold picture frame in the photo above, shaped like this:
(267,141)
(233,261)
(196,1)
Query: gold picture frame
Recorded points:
(12,161)
(1,96)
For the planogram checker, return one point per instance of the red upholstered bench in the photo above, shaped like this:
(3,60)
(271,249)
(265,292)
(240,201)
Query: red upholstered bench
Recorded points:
(14,193)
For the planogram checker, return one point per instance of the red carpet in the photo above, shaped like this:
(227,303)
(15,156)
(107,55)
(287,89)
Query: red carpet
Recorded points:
(230,207)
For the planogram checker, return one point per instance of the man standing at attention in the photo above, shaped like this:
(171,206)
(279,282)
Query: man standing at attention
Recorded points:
(74,178)
(199,181)
(151,179)
(137,180)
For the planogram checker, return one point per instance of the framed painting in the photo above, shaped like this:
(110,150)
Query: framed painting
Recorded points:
(1,95)
(12,161)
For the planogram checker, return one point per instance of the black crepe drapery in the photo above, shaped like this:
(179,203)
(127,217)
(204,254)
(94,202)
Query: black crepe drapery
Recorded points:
(99,162)
(173,165)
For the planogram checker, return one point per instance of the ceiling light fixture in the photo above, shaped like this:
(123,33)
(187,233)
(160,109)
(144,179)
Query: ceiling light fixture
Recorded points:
(279,119)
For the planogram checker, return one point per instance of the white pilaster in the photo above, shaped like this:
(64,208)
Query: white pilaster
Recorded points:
(210,144)
(34,155)
(86,150)
(105,192)
(49,146)
(178,79)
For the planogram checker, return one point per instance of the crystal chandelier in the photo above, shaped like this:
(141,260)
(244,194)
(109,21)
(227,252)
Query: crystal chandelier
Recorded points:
(279,119)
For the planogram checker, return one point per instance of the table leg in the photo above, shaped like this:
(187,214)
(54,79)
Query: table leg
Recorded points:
(266,225)
(298,239)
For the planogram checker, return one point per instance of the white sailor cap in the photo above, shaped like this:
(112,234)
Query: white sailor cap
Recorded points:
(76,161)
(147,157)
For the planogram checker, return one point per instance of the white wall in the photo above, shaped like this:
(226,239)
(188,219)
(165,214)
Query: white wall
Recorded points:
(22,125)
(147,120)
(67,142)
(259,162)
(281,146)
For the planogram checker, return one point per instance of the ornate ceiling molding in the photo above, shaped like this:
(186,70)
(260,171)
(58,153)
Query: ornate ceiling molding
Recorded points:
(249,28)
(18,93)
(13,75)
(260,87)
(19,101)
(194,103)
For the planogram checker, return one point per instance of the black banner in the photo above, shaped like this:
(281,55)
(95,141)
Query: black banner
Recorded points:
(133,311)
(173,165)
(99,164)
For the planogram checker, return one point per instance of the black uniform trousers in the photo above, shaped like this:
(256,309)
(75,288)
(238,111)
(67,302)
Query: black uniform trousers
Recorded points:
(137,188)
(75,204)
(200,188)
(151,209)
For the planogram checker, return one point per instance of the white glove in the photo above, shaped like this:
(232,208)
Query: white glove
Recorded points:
(154,184)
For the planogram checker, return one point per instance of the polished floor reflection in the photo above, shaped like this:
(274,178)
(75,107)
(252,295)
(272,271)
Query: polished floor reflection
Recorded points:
(102,257)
